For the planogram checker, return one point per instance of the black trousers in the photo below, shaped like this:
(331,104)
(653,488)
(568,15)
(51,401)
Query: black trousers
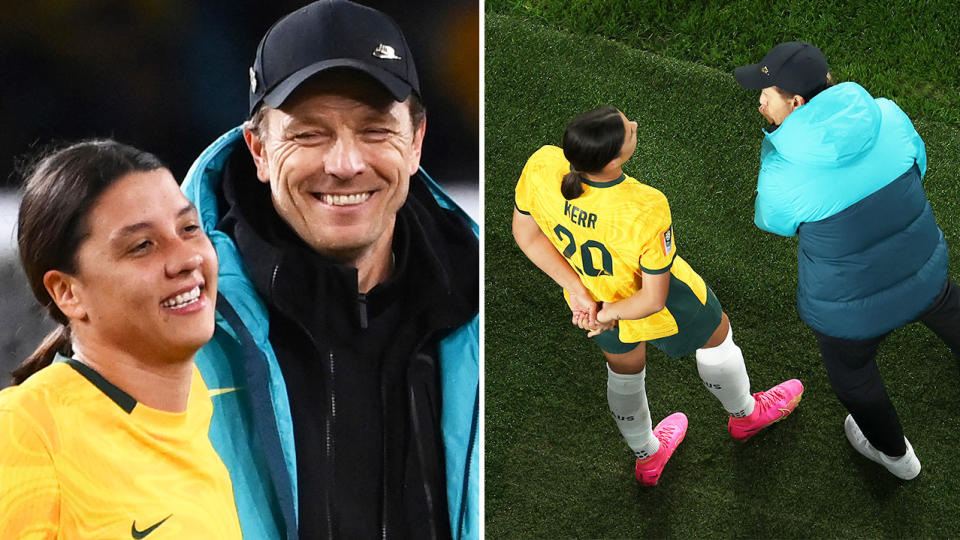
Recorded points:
(852,369)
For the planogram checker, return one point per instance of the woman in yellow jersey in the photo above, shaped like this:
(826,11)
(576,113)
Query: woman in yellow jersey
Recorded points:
(104,434)
(608,240)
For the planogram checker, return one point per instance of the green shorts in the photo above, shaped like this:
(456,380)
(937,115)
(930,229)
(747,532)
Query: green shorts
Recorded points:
(694,331)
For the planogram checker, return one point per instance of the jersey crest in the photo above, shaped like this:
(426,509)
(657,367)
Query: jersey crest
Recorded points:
(668,241)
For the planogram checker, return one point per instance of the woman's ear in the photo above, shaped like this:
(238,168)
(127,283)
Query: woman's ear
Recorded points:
(64,289)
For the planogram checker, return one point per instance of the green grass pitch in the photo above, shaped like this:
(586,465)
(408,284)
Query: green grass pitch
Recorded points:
(555,464)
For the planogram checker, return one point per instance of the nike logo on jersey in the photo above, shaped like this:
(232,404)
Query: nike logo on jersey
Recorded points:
(143,534)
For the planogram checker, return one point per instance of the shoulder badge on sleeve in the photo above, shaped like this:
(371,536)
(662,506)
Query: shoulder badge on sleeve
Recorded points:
(668,241)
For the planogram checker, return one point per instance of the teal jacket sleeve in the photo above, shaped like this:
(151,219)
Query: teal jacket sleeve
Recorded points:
(772,210)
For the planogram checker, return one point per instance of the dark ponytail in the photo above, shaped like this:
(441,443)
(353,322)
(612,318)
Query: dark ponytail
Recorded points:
(57,341)
(571,186)
(59,189)
(590,142)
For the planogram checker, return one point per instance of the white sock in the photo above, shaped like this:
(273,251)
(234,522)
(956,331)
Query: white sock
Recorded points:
(725,375)
(627,397)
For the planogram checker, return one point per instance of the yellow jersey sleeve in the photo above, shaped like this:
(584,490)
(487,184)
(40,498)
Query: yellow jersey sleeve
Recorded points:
(658,246)
(544,170)
(29,491)
(522,195)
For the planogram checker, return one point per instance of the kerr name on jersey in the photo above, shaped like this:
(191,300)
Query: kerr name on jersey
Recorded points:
(578,216)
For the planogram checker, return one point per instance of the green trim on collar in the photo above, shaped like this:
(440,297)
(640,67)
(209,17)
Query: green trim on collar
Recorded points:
(611,183)
(118,396)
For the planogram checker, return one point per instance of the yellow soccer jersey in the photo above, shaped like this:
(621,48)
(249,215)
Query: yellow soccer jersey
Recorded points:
(79,458)
(610,235)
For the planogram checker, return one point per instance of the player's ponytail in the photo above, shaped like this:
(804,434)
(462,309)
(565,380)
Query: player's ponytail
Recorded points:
(571,186)
(590,142)
(57,341)
(60,189)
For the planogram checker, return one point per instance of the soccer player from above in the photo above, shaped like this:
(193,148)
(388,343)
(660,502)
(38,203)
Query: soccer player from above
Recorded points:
(605,237)
(843,171)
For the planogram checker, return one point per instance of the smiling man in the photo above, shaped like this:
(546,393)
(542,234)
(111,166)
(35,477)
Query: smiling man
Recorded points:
(345,361)
(842,170)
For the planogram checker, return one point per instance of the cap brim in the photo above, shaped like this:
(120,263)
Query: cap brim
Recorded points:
(399,89)
(751,78)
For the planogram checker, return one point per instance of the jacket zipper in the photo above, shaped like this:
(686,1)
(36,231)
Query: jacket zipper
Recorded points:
(426,488)
(416,431)
(331,418)
(455,532)
(466,465)
(362,307)
(386,498)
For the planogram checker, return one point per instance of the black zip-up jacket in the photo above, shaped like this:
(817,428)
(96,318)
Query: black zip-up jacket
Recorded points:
(361,370)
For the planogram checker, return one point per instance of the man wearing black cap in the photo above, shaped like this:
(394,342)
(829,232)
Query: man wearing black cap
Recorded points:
(843,171)
(344,367)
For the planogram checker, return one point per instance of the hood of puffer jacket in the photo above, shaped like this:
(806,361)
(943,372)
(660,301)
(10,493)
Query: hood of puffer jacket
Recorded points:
(838,126)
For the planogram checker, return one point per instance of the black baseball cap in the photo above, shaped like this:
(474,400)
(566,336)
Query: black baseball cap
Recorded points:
(331,34)
(795,66)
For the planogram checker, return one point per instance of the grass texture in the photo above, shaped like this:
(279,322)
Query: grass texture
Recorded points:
(555,464)
(906,51)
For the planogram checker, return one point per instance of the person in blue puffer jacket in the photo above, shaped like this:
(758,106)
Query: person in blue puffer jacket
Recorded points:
(843,171)
(344,368)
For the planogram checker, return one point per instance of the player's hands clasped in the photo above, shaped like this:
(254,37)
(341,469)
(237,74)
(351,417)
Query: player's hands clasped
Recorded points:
(584,309)
(606,320)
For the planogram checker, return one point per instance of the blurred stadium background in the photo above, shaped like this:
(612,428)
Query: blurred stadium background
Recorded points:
(170,76)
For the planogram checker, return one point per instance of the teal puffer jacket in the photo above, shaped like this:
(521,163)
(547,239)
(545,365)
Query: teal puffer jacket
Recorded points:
(844,171)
